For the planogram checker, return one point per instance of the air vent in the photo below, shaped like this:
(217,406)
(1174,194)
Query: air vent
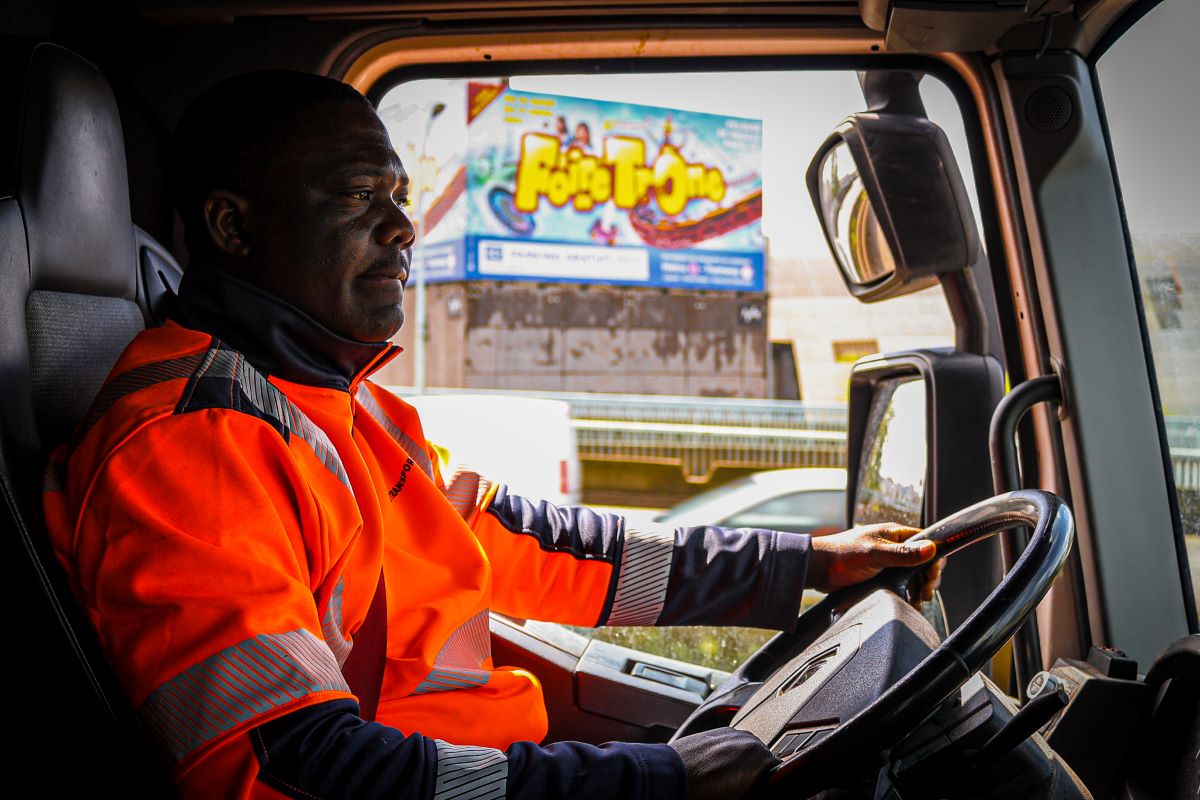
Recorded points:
(808,670)
(1049,109)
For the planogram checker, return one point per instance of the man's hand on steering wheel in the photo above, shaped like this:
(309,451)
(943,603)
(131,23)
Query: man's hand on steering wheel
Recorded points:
(722,764)
(859,554)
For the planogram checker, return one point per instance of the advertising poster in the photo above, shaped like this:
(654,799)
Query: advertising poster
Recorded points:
(427,124)
(568,189)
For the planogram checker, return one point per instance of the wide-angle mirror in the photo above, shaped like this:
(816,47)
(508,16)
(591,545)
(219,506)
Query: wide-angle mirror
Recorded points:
(860,247)
(892,204)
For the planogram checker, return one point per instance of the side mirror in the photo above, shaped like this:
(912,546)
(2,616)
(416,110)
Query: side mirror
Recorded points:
(892,204)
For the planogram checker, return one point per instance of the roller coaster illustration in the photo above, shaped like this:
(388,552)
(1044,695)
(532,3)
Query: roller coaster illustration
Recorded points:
(667,233)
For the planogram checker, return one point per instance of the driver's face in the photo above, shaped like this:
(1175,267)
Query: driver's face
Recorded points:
(329,231)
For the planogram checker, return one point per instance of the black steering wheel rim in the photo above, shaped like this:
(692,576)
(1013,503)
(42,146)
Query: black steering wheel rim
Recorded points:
(908,702)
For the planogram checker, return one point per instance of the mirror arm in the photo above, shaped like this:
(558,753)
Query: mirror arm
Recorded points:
(969,299)
(893,91)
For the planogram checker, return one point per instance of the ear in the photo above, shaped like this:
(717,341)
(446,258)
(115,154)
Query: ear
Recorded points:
(225,220)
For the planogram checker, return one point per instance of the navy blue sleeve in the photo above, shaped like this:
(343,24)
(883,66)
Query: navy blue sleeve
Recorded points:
(673,576)
(709,576)
(743,576)
(587,772)
(583,533)
(327,751)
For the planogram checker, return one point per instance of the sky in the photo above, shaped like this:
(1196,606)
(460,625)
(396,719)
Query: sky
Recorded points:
(1150,83)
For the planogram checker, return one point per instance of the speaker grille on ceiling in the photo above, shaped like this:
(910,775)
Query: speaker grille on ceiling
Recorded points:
(1048,109)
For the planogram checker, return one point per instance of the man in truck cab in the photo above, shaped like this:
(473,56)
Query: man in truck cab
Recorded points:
(294,597)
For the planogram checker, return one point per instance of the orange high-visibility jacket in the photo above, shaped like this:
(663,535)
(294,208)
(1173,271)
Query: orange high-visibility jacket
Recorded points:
(224,513)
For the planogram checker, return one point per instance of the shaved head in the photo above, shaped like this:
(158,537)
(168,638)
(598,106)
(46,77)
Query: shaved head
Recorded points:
(231,132)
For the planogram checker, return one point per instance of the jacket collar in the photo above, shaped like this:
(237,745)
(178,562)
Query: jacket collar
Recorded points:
(276,337)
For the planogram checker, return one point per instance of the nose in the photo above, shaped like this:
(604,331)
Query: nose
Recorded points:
(396,228)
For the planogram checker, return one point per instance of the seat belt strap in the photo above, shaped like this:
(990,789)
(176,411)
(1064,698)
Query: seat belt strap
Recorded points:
(363,669)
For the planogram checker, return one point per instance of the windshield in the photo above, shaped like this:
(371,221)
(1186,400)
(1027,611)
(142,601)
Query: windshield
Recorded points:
(1159,173)
(705,500)
(643,249)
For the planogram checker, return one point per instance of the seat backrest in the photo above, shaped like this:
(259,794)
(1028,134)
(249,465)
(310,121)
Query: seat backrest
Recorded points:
(69,296)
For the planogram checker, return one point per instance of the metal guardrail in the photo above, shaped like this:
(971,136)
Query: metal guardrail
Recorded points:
(700,449)
(737,413)
(1183,432)
(702,434)
(1187,469)
(1183,437)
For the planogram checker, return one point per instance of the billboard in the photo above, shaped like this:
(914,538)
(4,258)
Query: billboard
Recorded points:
(566,189)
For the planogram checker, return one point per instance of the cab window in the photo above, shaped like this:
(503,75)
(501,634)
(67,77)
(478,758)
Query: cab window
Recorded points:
(687,347)
(1154,149)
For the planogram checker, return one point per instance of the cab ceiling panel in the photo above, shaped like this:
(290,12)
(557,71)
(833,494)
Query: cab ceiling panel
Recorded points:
(907,25)
(198,11)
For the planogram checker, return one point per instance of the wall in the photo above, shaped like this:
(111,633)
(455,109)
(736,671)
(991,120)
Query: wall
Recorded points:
(811,308)
(552,337)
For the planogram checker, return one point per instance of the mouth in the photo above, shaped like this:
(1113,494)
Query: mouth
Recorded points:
(383,277)
(384,274)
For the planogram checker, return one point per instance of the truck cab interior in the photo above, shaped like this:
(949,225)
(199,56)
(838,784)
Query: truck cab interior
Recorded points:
(1063,657)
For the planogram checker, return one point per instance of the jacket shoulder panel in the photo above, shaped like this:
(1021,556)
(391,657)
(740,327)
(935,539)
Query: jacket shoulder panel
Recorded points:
(225,380)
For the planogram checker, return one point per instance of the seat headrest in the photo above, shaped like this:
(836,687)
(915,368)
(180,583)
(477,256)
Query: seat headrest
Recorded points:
(68,174)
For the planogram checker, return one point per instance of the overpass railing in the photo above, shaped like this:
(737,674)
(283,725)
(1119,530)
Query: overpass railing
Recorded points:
(702,434)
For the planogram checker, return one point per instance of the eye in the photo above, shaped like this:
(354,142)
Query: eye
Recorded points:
(360,194)
(402,201)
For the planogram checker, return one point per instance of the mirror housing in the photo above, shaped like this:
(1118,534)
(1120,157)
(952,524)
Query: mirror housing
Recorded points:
(962,391)
(892,204)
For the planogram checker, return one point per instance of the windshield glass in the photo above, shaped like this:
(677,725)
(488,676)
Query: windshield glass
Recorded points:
(703,500)
(1153,140)
(643,249)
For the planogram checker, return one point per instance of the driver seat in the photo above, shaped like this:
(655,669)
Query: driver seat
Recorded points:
(69,291)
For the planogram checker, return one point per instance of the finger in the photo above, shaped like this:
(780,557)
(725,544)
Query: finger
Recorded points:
(909,554)
(933,579)
(934,571)
(896,533)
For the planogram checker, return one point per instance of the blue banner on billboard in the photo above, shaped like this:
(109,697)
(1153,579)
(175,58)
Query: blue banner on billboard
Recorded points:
(565,189)
(533,260)
(441,261)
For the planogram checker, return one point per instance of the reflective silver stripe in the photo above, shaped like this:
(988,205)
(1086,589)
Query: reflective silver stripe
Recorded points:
(642,582)
(470,773)
(414,449)
(224,363)
(466,490)
(459,664)
(268,399)
(331,626)
(306,429)
(236,685)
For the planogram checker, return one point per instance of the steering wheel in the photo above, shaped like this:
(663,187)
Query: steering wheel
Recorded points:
(863,668)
